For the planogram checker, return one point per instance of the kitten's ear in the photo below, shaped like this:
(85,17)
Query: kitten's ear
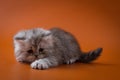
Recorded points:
(20,37)
(48,40)
(47,33)
(19,40)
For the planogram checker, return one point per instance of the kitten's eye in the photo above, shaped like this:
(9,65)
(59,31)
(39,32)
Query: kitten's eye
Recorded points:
(41,50)
(30,51)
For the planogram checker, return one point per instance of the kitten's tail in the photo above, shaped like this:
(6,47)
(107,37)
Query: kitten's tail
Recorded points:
(90,56)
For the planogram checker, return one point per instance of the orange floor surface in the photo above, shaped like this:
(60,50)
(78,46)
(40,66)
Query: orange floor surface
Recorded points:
(95,23)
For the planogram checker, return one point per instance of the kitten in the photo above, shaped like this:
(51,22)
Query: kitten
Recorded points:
(49,48)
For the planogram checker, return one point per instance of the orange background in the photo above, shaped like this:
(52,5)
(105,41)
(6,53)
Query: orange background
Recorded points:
(95,23)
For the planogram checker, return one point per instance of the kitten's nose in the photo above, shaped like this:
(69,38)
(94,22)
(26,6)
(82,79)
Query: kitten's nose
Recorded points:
(36,55)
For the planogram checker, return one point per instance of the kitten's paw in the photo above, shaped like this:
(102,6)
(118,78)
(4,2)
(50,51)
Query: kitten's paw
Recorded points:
(40,64)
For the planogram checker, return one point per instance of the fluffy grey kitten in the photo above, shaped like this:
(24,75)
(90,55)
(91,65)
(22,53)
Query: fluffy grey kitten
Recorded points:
(49,48)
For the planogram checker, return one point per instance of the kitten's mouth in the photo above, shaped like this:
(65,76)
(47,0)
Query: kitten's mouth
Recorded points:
(27,62)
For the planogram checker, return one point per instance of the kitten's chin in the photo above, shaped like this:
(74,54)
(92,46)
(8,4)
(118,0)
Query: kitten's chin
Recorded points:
(26,60)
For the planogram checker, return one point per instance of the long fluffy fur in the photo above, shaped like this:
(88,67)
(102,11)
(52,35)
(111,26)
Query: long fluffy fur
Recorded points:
(48,48)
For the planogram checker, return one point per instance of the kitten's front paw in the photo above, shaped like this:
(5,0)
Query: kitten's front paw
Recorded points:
(40,64)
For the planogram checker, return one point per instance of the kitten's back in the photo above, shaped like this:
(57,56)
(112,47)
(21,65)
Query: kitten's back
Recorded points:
(67,44)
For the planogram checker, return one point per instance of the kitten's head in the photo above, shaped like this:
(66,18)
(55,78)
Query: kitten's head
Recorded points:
(32,44)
